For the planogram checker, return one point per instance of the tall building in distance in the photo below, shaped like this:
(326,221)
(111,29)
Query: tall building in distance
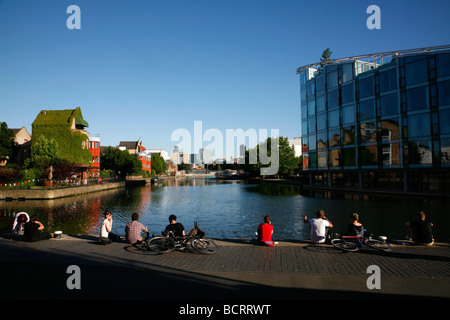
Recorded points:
(378,122)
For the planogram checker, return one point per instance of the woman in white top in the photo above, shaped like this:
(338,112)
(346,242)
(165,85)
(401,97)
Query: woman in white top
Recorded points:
(106,236)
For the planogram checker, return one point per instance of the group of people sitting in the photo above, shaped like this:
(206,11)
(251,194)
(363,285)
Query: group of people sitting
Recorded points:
(30,229)
(418,231)
(136,232)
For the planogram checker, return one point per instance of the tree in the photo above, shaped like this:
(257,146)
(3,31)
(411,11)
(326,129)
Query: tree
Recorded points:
(44,152)
(158,163)
(287,161)
(120,161)
(326,56)
(6,141)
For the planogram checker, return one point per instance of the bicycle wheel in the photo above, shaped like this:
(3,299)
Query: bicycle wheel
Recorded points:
(345,245)
(379,245)
(204,246)
(160,244)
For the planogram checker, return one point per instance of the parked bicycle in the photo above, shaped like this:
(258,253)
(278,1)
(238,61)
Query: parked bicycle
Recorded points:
(354,243)
(193,241)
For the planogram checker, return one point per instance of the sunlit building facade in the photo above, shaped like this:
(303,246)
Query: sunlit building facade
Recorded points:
(378,122)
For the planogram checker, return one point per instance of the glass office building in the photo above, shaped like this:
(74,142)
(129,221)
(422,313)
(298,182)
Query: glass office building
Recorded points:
(378,121)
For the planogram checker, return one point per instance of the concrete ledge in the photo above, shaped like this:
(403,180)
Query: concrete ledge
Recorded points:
(56,193)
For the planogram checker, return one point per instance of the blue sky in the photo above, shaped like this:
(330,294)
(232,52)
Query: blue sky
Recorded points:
(140,69)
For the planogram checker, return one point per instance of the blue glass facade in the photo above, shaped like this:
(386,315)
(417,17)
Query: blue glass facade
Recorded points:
(378,126)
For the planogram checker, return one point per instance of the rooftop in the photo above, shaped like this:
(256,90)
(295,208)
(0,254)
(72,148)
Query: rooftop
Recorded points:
(375,58)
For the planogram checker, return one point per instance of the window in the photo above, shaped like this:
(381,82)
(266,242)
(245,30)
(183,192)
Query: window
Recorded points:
(334,138)
(419,152)
(443,92)
(320,84)
(304,110)
(322,140)
(321,121)
(444,121)
(333,99)
(321,103)
(416,69)
(350,157)
(368,155)
(311,125)
(390,129)
(445,151)
(416,98)
(348,93)
(312,142)
(443,64)
(348,114)
(390,154)
(310,89)
(389,105)
(368,132)
(332,79)
(333,118)
(366,110)
(311,107)
(388,80)
(348,135)
(313,160)
(304,128)
(366,87)
(347,72)
(334,158)
(419,125)
(322,159)
(305,144)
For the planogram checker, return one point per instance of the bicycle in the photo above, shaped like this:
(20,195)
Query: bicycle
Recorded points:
(163,244)
(354,243)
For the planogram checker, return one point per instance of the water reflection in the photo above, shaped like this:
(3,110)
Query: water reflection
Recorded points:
(225,209)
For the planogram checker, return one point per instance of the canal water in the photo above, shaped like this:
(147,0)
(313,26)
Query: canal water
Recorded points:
(227,209)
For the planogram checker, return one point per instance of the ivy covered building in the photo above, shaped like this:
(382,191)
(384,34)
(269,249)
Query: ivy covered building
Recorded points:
(67,128)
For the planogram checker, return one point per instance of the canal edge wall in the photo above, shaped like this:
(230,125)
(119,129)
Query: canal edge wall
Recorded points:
(50,194)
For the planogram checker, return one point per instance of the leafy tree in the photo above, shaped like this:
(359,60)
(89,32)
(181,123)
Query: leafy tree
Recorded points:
(287,161)
(158,163)
(120,161)
(326,56)
(44,152)
(6,140)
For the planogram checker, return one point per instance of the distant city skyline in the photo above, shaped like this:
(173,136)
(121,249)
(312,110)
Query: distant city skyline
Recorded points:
(143,69)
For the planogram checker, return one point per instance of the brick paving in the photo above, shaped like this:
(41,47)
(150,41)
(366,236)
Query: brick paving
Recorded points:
(238,264)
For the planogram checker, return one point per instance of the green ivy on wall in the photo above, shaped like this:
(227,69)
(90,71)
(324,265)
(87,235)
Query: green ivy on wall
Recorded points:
(57,124)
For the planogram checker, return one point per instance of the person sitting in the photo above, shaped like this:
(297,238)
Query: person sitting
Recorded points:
(18,225)
(420,231)
(106,235)
(319,227)
(33,231)
(176,228)
(265,231)
(355,227)
(133,230)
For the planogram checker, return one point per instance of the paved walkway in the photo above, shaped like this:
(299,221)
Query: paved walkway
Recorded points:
(239,270)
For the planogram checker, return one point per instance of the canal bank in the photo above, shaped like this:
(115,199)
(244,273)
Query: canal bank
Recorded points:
(239,271)
(63,192)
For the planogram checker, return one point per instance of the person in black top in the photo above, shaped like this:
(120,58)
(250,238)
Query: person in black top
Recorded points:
(420,230)
(355,227)
(33,230)
(175,227)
